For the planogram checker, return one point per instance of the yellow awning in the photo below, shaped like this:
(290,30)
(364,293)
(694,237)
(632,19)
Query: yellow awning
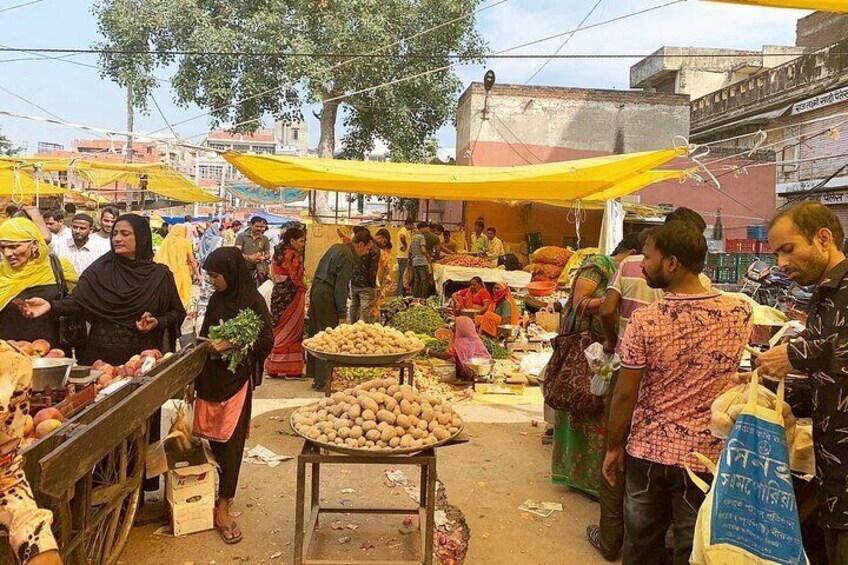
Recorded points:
(568,180)
(819,5)
(161,179)
(15,181)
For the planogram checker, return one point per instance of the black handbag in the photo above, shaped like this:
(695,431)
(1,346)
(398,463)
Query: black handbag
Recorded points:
(72,329)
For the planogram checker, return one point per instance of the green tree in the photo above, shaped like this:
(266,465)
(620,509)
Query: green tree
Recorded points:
(7,147)
(241,89)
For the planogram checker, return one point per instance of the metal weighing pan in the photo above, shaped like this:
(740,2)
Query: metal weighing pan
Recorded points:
(51,372)
(364,360)
(367,452)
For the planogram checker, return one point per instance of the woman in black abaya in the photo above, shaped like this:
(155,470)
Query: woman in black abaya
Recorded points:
(131,302)
(222,408)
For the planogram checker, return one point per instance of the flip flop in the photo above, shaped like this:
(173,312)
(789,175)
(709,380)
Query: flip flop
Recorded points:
(223,531)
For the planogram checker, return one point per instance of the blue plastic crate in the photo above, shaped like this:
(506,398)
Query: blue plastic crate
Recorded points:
(757,232)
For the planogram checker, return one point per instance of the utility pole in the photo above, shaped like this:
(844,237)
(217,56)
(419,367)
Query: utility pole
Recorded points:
(128,153)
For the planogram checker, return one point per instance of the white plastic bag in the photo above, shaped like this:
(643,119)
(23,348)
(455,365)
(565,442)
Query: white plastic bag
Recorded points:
(603,366)
(534,363)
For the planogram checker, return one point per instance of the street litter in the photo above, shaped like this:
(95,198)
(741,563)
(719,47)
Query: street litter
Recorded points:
(543,509)
(397,477)
(261,455)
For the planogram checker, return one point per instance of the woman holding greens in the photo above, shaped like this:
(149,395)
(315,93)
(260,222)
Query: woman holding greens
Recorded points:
(222,408)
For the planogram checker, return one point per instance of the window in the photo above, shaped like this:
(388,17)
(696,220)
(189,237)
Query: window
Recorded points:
(212,172)
(219,146)
(295,133)
(262,149)
(788,163)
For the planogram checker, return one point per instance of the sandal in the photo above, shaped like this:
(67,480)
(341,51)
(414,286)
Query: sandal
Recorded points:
(231,534)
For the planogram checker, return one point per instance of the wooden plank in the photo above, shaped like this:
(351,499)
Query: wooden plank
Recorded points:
(369,510)
(348,562)
(89,443)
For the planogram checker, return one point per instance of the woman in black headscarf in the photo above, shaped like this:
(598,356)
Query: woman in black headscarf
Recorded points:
(222,409)
(131,302)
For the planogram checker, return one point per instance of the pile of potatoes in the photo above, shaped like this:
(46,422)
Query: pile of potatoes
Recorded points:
(364,339)
(378,415)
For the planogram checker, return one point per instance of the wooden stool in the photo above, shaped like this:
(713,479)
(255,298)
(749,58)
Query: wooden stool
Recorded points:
(406,372)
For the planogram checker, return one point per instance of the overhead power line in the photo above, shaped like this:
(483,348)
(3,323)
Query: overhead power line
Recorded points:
(413,56)
(21,5)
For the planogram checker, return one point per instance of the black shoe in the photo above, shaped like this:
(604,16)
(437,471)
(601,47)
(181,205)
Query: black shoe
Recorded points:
(593,533)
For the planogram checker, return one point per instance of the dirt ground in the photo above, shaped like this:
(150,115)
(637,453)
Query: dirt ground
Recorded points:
(486,480)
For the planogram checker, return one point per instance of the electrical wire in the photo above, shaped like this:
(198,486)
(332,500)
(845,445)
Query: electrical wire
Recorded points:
(564,43)
(21,5)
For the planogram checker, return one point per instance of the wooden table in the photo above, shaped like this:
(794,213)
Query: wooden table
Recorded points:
(406,372)
(306,517)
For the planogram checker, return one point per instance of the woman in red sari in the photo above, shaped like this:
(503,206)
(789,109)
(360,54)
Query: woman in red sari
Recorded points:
(288,306)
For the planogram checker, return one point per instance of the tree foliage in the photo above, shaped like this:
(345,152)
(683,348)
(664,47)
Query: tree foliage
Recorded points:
(7,147)
(240,89)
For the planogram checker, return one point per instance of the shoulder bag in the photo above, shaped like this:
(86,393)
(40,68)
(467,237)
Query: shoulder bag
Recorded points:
(72,329)
(567,375)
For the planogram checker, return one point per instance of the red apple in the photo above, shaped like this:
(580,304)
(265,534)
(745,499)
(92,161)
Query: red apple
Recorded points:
(41,346)
(103,381)
(27,350)
(47,414)
(98,364)
(56,354)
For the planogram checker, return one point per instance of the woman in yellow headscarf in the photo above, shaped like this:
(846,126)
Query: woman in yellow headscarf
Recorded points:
(177,254)
(26,271)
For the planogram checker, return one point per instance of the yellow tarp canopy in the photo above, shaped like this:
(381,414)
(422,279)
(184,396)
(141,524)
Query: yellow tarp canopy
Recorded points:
(567,180)
(15,181)
(840,6)
(161,179)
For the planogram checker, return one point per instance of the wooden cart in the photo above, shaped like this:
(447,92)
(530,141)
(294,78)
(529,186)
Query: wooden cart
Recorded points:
(90,471)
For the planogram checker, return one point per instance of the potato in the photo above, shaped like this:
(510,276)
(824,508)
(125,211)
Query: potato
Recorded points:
(369,443)
(398,396)
(344,433)
(406,408)
(413,421)
(331,435)
(314,433)
(423,424)
(350,442)
(356,432)
(399,431)
(392,390)
(368,415)
(354,411)
(441,433)
(369,425)
(402,420)
(368,404)
(427,413)
(388,434)
(321,439)
(386,416)
(406,441)
(359,421)
(417,443)
(338,441)
(418,433)
(444,419)
(453,430)
(390,403)
(456,422)
(361,442)
(394,442)
(373,435)
(433,425)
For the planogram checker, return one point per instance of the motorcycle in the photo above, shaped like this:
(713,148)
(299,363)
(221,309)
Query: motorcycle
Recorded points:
(769,286)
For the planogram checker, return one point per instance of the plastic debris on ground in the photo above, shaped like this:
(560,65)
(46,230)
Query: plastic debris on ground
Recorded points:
(543,509)
(260,455)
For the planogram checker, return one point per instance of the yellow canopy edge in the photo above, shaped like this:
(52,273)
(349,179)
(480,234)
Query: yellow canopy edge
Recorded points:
(161,179)
(839,6)
(14,182)
(567,180)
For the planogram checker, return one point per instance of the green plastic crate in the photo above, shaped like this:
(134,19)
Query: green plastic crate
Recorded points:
(727,260)
(744,260)
(769,259)
(726,275)
(713,259)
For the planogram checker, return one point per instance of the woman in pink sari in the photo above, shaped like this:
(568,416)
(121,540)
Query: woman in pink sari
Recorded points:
(288,306)
(465,344)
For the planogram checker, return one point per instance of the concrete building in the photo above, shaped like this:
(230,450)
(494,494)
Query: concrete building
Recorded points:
(214,173)
(801,105)
(520,125)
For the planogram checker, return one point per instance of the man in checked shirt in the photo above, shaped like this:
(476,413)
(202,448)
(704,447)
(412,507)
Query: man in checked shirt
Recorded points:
(807,240)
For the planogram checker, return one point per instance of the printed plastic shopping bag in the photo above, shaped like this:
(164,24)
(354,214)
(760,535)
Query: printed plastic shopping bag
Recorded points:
(750,515)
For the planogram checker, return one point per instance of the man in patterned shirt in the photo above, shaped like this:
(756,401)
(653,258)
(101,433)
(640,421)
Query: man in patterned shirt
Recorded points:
(807,240)
(677,356)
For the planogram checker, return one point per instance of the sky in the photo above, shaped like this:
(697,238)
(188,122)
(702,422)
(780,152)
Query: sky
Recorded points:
(78,94)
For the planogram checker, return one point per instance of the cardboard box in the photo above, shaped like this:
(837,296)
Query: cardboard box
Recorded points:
(190,478)
(192,517)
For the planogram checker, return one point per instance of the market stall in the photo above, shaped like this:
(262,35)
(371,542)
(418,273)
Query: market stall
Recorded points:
(89,471)
(443,274)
